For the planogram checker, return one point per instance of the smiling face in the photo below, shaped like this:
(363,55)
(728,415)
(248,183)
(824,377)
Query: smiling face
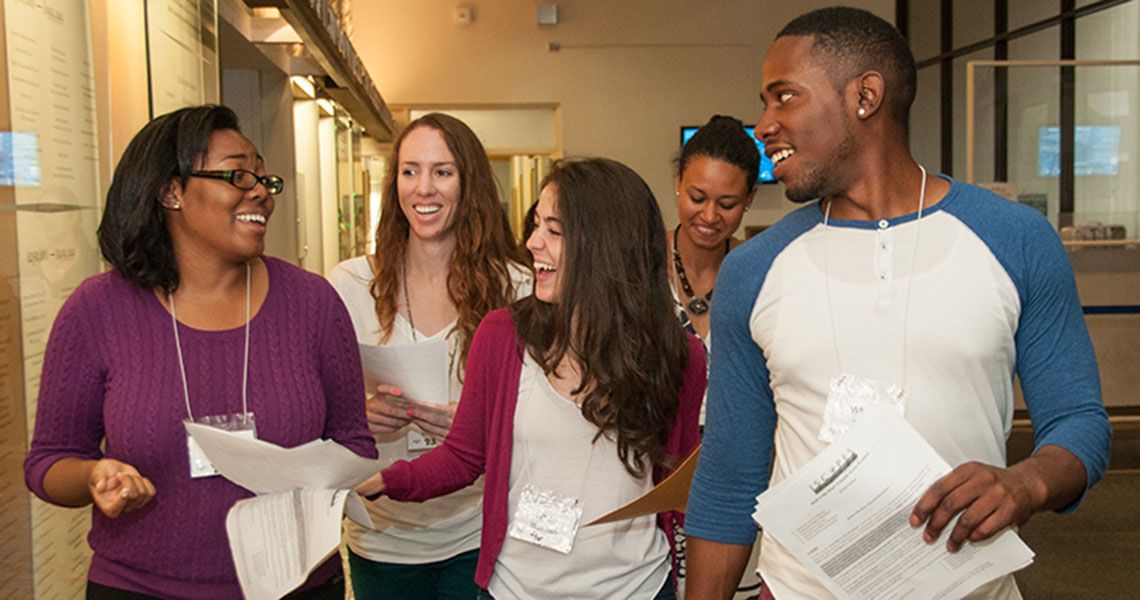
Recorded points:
(545,245)
(214,217)
(805,127)
(712,195)
(428,184)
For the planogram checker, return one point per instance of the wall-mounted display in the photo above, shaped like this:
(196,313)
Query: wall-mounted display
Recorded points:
(48,163)
(182,53)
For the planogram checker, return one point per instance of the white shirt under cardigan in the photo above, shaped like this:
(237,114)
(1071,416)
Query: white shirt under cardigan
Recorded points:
(401,532)
(553,449)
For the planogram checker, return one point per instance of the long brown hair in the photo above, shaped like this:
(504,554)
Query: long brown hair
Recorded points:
(478,278)
(615,314)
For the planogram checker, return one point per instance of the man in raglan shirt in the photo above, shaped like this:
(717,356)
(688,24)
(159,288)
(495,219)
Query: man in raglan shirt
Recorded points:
(935,292)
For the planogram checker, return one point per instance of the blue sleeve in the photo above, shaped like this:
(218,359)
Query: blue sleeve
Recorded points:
(736,453)
(1055,359)
(1056,362)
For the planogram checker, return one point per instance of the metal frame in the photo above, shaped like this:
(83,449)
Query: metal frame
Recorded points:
(970,90)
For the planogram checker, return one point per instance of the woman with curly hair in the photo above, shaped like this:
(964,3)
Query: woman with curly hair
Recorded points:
(577,400)
(444,258)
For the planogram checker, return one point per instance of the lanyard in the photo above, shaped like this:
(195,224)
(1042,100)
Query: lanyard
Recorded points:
(182,363)
(910,280)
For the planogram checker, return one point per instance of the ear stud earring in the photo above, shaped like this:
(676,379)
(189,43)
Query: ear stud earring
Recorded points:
(178,205)
(862,112)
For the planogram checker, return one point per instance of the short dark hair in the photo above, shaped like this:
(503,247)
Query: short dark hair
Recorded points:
(723,138)
(854,41)
(615,313)
(132,235)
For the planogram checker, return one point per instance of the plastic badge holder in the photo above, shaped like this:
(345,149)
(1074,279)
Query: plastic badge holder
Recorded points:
(849,396)
(546,518)
(242,424)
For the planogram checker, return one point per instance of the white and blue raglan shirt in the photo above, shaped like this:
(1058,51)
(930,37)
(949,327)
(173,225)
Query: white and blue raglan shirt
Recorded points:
(992,297)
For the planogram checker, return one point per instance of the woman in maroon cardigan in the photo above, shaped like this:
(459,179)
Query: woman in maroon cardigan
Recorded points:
(576,401)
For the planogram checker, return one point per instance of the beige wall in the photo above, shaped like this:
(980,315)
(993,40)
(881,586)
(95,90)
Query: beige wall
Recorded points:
(628,75)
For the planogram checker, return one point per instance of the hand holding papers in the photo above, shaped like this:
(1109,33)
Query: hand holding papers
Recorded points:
(844,517)
(420,371)
(279,537)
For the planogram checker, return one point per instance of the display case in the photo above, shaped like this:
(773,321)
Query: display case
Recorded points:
(1074,156)
(1075,161)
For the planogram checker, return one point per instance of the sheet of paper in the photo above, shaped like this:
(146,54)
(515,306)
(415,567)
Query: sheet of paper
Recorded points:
(293,525)
(265,468)
(419,370)
(671,494)
(278,539)
(844,517)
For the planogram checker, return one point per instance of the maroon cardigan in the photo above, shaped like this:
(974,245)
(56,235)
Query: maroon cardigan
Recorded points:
(483,432)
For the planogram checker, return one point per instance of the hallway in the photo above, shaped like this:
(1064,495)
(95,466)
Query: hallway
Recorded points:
(1093,552)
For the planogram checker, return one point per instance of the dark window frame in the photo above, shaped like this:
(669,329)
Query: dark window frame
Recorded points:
(1065,22)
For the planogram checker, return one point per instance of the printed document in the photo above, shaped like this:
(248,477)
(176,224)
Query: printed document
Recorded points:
(419,370)
(278,537)
(844,516)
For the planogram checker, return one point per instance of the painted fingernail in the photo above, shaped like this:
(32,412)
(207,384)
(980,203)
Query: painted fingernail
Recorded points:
(411,413)
(399,392)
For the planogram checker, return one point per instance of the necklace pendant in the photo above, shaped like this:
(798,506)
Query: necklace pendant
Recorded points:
(698,305)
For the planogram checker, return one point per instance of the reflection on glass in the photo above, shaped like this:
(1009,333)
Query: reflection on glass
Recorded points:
(19,158)
(1097,151)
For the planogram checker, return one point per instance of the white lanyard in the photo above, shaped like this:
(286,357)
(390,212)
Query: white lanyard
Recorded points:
(182,363)
(910,280)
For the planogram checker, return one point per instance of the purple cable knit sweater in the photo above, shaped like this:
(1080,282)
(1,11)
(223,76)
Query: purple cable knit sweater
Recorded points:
(111,374)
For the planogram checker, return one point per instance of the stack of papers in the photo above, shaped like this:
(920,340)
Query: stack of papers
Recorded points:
(844,517)
(293,525)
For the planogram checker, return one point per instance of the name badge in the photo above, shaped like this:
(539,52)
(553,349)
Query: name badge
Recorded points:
(418,442)
(849,395)
(546,518)
(241,424)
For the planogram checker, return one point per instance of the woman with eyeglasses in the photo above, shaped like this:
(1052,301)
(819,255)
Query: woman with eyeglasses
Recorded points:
(577,400)
(191,323)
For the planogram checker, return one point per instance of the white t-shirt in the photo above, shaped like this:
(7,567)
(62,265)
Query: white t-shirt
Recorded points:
(411,533)
(553,450)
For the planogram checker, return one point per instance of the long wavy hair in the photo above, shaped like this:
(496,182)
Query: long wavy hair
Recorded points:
(478,278)
(615,313)
(133,236)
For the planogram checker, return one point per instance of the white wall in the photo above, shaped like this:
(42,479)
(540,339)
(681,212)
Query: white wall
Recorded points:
(629,74)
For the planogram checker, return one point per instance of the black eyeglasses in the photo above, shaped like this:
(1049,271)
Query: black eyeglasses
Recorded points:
(245,180)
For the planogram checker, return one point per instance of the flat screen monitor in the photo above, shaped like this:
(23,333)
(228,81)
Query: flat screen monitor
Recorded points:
(766,165)
(1096,150)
